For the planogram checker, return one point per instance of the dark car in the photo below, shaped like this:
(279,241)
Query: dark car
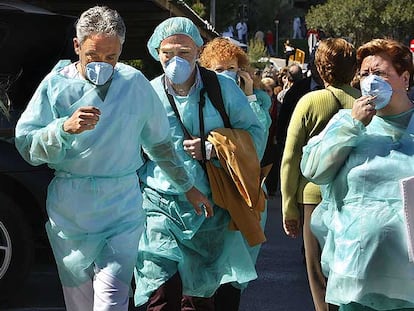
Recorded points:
(32,40)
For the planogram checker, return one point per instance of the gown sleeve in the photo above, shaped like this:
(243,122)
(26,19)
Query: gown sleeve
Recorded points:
(261,107)
(157,144)
(326,153)
(40,137)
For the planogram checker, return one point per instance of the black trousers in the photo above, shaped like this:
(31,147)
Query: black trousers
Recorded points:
(287,55)
(168,297)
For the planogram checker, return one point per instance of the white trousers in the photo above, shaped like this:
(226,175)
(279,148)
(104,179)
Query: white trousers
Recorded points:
(105,293)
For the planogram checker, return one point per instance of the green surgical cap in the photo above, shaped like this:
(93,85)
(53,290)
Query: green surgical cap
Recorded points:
(173,26)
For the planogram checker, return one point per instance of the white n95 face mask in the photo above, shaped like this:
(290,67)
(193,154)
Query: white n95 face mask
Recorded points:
(177,70)
(99,72)
(374,85)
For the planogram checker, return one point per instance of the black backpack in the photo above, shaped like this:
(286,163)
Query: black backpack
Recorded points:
(213,89)
(211,86)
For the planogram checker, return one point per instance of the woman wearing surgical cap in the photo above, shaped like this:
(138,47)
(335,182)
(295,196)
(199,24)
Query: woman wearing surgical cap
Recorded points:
(186,261)
(360,159)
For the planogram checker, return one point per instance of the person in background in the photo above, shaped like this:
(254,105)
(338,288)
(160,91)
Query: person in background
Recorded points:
(359,160)
(269,84)
(186,262)
(259,36)
(289,50)
(80,113)
(269,40)
(270,71)
(279,78)
(228,32)
(271,179)
(295,71)
(313,38)
(311,82)
(242,30)
(297,28)
(290,75)
(335,60)
(226,58)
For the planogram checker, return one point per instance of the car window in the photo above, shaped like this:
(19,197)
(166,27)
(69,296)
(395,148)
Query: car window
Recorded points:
(30,44)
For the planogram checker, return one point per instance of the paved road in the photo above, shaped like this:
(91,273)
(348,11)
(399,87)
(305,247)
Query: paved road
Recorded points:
(281,284)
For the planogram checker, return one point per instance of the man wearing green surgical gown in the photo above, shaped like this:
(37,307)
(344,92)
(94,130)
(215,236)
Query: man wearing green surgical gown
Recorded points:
(181,255)
(88,120)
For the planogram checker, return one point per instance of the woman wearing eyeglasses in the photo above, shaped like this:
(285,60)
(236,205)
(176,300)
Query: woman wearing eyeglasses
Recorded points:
(359,159)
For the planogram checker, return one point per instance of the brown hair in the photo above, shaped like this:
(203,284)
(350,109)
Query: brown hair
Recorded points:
(335,60)
(222,49)
(399,54)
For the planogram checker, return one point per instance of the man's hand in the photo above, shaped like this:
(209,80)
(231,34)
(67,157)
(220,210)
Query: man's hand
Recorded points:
(200,202)
(193,148)
(83,119)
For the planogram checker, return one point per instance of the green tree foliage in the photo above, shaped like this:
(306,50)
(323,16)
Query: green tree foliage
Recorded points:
(261,14)
(136,63)
(256,50)
(199,8)
(363,20)
(226,11)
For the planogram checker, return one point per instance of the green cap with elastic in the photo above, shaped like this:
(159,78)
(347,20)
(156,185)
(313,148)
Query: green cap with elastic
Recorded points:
(173,26)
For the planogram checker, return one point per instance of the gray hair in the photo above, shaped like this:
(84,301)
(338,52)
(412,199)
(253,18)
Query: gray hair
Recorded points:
(100,20)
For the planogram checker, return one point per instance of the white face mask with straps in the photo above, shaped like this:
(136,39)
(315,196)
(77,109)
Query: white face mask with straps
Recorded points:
(99,72)
(376,86)
(177,70)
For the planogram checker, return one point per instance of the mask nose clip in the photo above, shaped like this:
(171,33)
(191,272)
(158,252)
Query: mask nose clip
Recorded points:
(99,72)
